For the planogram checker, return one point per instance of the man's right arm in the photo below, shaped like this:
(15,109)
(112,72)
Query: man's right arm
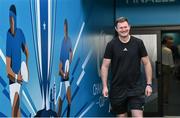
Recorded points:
(104,75)
(10,73)
(170,58)
(61,73)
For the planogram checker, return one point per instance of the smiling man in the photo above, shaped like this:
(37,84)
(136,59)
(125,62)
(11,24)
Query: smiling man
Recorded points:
(125,54)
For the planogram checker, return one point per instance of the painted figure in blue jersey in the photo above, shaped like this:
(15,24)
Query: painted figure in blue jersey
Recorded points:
(65,61)
(14,44)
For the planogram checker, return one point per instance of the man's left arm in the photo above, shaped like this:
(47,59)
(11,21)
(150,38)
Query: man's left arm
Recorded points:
(70,56)
(148,70)
(26,52)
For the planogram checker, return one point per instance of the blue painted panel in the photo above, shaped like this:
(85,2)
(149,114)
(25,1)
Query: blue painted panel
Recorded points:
(86,19)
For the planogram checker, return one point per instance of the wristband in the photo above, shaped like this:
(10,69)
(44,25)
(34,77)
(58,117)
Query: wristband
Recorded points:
(149,85)
(16,76)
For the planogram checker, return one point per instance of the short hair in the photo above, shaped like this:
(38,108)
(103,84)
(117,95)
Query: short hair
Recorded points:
(166,38)
(13,9)
(120,20)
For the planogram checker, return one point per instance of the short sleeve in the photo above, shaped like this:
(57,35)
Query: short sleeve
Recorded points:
(108,51)
(142,49)
(8,46)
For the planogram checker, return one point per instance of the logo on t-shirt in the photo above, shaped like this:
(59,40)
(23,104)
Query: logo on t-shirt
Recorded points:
(125,49)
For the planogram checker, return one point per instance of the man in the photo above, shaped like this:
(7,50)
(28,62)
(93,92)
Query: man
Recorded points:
(14,43)
(65,60)
(167,65)
(125,54)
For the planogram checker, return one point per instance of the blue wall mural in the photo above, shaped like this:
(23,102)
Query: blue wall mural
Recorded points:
(90,27)
(42,22)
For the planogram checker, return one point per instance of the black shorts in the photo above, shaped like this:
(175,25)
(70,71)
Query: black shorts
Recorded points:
(130,103)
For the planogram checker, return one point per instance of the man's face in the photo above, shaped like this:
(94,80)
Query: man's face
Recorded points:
(12,25)
(65,29)
(123,29)
(169,43)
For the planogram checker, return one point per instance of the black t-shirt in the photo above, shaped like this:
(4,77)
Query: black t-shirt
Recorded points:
(125,66)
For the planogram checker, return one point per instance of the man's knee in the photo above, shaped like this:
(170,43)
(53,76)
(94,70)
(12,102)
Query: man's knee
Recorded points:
(16,100)
(137,113)
(122,115)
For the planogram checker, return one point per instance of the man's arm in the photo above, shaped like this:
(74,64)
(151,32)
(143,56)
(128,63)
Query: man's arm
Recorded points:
(148,71)
(26,52)
(10,73)
(70,61)
(104,75)
(70,57)
(61,73)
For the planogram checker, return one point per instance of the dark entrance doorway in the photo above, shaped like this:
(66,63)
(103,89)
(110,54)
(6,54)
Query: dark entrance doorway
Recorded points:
(152,36)
(153,45)
(172,103)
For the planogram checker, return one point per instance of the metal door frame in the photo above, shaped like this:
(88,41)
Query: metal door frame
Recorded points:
(156,30)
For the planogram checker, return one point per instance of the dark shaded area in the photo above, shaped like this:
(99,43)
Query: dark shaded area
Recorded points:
(46,113)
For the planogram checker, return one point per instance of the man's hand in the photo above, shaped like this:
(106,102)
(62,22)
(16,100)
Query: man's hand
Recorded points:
(28,70)
(105,92)
(66,75)
(19,78)
(148,90)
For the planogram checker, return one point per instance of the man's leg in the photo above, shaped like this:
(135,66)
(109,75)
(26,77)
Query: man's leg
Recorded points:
(122,115)
(60,102)
(15,108)
(137,113)
(19,112)
(166,88)
(69,100)
(69,95)
(14,97)
(166,80)
(59,107)
(119,108)
(136,104)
